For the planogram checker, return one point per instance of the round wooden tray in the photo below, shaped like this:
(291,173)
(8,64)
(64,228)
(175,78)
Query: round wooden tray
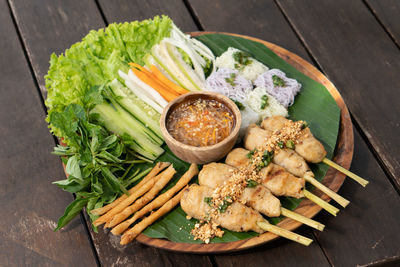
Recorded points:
(333,179)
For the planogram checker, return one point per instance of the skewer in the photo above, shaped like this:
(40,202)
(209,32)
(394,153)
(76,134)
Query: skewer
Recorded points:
(353,176)
(253,195)
(284,233)
(238,158)
(320,202)
(300,218)
(277,122)
(192,203)
(339,199)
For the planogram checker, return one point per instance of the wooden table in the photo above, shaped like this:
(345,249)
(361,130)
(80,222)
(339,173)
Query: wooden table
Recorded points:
(355,43)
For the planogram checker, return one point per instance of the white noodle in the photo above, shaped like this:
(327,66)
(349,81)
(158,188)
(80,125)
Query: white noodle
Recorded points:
(217,82)
(285,95)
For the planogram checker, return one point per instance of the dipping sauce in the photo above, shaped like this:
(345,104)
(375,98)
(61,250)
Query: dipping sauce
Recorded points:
(200,122)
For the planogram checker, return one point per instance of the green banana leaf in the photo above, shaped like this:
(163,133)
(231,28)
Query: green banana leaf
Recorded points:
(313,104)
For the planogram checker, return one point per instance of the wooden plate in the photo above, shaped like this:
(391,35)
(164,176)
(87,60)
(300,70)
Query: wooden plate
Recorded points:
(333,179)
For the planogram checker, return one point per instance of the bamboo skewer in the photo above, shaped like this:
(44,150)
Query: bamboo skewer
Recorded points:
(297,217)
(284,233)
(339,199)
(353,176)
(320,202)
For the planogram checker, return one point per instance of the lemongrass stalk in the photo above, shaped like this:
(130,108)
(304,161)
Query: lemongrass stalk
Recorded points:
(353,176)
(300,218)
(284,233)
(339,199)
(320,202)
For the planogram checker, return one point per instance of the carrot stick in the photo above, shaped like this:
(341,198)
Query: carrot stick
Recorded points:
(141,68)
(167,82)
(156,79)
(167,95)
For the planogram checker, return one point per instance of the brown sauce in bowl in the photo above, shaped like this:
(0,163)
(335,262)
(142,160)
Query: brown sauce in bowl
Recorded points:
(200,122)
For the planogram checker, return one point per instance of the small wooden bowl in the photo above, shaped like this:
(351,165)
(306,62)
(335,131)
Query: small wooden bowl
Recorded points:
(206,154)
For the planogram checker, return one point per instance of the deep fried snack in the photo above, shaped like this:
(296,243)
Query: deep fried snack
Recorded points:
(129,200)
(159,167)
(132,233)
(164,179)
(159,201)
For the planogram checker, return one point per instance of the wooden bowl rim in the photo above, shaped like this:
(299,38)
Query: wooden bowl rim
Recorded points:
(345,142)
(217,96)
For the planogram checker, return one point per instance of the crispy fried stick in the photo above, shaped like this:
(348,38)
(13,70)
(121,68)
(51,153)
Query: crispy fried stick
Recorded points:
(159,167)
(132,197)
(132,233)
(164,179)
(159,201)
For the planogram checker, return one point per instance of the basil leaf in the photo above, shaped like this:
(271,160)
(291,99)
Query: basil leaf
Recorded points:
(109,157)
(108,142)
(71,186)
(94,144)
(71,211)
(96,186)
(73,168)
(113,181)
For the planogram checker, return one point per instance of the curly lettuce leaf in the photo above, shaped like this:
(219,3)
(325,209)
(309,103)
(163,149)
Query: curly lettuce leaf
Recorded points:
(96,61)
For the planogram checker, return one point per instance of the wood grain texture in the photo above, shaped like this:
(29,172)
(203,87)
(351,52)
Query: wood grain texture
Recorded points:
(333,180)
(368,229)
(129,10)
(388,13)
(52,26)
(29,203)
(260,19)
(49,26)
(361,59)
(111,253)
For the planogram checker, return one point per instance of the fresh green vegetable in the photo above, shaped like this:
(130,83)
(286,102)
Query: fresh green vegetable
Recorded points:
(290,144)
(231,79)
(266,159)
(278,81)
(242,59)
(251,183)
(136,107)
(96,61)
(187,71)
(185,57)
(281,144)
(251,153)
(208,200)
(186,60)
(95,159)
(264,102)
(225,204)
(238,104)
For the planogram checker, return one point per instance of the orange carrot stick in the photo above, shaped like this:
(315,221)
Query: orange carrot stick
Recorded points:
(168,95)
(154,77)
(167,82)
(141,68)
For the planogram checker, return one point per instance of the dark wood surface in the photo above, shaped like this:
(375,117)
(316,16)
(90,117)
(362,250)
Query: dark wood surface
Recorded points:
(30,205)
(387,13)
(359,57)
(355,43)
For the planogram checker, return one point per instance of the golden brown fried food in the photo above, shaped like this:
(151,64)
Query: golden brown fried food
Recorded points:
(307,145)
